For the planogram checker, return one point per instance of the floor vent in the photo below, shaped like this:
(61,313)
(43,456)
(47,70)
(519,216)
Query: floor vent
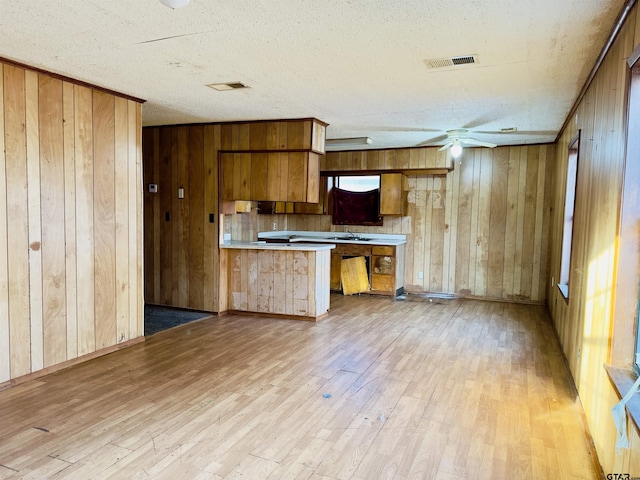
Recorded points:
(451,61)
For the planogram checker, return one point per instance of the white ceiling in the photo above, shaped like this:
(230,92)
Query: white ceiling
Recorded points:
(355,64)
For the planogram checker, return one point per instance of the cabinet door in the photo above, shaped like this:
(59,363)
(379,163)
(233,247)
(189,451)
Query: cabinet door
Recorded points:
(391,194)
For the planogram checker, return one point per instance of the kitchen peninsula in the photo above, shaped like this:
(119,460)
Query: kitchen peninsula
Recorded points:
(384,255)
(282,279)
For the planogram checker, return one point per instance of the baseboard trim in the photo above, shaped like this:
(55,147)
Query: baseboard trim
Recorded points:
(69,363)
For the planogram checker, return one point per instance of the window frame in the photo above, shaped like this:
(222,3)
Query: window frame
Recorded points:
(569,208)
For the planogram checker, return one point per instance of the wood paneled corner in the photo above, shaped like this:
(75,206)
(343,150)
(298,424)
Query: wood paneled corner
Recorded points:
(71,177)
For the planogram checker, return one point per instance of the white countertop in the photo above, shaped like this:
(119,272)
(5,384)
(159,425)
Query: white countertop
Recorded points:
(296,237)
(262,245)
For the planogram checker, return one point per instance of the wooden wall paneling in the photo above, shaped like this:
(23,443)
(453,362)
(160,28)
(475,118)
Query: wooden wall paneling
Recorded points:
(227,176)
(223,282)
(70,219)
(227,136)
(197,217)
(538,246)
(242,176)
(283,134)
(549,188)
(211,146)
(409,158)
(17,212)
(51,187)
(273,136)
(166,161)
(148,137)
(410,275)
(34,222)
(436,232)
(520,218)
(465,205)
(122,222)
(85,233)
(274,176)
(5,354)
(511,215)
(475,212)
(529,222)
(259,176)
(134,159)
(104,207)
(483,160)
(498,223)
(420,239)
(451,230)
(181,211)
(243,134)
(165,202)
(258,135)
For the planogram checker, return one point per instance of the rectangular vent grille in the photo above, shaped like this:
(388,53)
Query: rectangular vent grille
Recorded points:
(227,86)
(451,61)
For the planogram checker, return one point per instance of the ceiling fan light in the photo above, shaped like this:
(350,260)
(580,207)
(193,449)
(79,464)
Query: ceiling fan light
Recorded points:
(456,150)
(175,3)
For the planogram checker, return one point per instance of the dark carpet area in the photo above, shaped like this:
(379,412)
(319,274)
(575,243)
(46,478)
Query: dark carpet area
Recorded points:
(158,318)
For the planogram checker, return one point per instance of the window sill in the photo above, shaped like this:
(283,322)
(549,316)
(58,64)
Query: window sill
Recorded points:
(564,290)
(622,380)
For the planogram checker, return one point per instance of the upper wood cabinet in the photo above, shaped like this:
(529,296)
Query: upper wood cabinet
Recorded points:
(271,176)
(410,161)
(279,135)
(272,161)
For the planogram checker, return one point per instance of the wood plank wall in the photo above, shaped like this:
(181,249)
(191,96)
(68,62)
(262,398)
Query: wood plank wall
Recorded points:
(181,244)
(479,231)
(181,258)
(584,322)
(70,221)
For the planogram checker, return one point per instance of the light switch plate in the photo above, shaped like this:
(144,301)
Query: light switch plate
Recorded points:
(153,188)
(181,192)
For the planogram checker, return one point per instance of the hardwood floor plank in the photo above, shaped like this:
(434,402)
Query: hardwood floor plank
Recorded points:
(379,388)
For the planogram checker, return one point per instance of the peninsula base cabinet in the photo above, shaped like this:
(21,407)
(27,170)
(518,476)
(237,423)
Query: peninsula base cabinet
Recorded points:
(285,282)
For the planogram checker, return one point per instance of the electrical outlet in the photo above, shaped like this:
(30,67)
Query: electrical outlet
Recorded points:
(274,226)
(420,275)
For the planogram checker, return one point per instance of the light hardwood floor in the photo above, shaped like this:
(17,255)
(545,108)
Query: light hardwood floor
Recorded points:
(454,389)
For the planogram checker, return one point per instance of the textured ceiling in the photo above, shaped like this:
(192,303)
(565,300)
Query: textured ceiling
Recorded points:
(355,64)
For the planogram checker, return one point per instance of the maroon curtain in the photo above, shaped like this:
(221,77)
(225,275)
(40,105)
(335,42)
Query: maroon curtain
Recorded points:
(356,208)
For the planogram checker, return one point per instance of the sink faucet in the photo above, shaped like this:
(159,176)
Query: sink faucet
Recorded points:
(351,235)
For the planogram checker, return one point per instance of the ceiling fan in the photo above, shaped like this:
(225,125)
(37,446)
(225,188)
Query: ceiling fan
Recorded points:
(458,138)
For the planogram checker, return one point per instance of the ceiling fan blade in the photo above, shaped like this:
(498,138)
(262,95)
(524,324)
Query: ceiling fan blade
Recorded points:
(477,143)
(446,146)
(433,140)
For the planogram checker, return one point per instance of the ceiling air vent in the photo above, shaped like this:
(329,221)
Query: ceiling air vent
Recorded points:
(451,61)
(227,86)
